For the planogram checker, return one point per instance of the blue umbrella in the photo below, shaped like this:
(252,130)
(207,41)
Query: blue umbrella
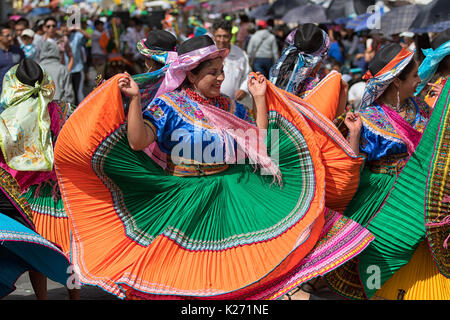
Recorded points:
(437,27)
(39,11)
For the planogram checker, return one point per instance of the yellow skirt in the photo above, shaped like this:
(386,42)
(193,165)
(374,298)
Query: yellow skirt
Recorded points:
(420,279)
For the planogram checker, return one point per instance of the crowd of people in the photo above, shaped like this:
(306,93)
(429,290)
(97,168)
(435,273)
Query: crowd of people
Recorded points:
(163,165)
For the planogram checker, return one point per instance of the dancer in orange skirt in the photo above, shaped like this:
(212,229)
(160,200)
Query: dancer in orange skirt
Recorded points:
(184,224)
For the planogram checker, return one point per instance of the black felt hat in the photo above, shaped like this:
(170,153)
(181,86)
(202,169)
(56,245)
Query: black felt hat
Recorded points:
(308,38)
(160,40)
(440,39)
(383,57)
(29,72)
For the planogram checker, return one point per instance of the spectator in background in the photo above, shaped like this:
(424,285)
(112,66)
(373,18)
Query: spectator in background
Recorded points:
(77,41)
(20,26)
(51,34)
(38,32)
(263,49)
(242,34)
(10,54)
(235,66)
(337,50)
(281,31)
(133,35)
(49,61)
(27,45)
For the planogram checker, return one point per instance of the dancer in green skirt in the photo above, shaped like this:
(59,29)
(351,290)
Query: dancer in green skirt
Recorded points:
(391,196)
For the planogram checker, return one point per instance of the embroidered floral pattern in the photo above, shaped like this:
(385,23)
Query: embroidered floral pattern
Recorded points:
(155,111)
(186,106)
(377,119)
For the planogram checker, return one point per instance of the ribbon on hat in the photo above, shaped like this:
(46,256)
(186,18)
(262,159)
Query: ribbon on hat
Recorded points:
(430,64)
(377,84)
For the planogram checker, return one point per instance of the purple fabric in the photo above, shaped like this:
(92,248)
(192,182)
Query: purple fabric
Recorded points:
(176,73)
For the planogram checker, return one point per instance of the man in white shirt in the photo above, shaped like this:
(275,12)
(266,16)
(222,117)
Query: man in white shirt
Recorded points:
(135,32)
(236,65)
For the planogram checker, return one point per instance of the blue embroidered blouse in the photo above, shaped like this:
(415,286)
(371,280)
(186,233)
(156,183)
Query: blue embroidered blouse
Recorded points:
(179,126)
(379,139)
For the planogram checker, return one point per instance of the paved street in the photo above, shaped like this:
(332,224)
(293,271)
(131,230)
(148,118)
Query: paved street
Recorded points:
(56,291)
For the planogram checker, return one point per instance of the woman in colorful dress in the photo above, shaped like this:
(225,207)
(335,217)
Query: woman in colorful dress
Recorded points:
(26,164)
(435,68)
(297,72)
(210,216)
(402,189)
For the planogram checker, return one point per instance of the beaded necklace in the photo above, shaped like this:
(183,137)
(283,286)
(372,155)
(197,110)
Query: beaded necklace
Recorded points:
(219,101)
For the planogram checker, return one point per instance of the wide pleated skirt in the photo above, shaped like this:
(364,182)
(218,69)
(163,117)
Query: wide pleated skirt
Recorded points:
(139,232)
(402,212)
(420,279)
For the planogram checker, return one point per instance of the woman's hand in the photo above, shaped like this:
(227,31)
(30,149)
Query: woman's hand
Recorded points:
(257,85)
(128,86)
(435,89)
(353,122)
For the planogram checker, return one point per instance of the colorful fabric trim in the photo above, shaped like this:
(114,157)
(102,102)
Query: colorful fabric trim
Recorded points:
(340,241)
(391,165)
(437,202)
(185,169)
(379,138)
(377,84)
(10,188)
(25,145)
(160,56)
(430,64)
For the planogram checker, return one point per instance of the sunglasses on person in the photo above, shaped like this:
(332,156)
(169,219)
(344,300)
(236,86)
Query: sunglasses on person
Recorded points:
(51,26)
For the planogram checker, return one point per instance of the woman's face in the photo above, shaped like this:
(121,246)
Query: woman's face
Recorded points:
(209,79)
(408,87)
